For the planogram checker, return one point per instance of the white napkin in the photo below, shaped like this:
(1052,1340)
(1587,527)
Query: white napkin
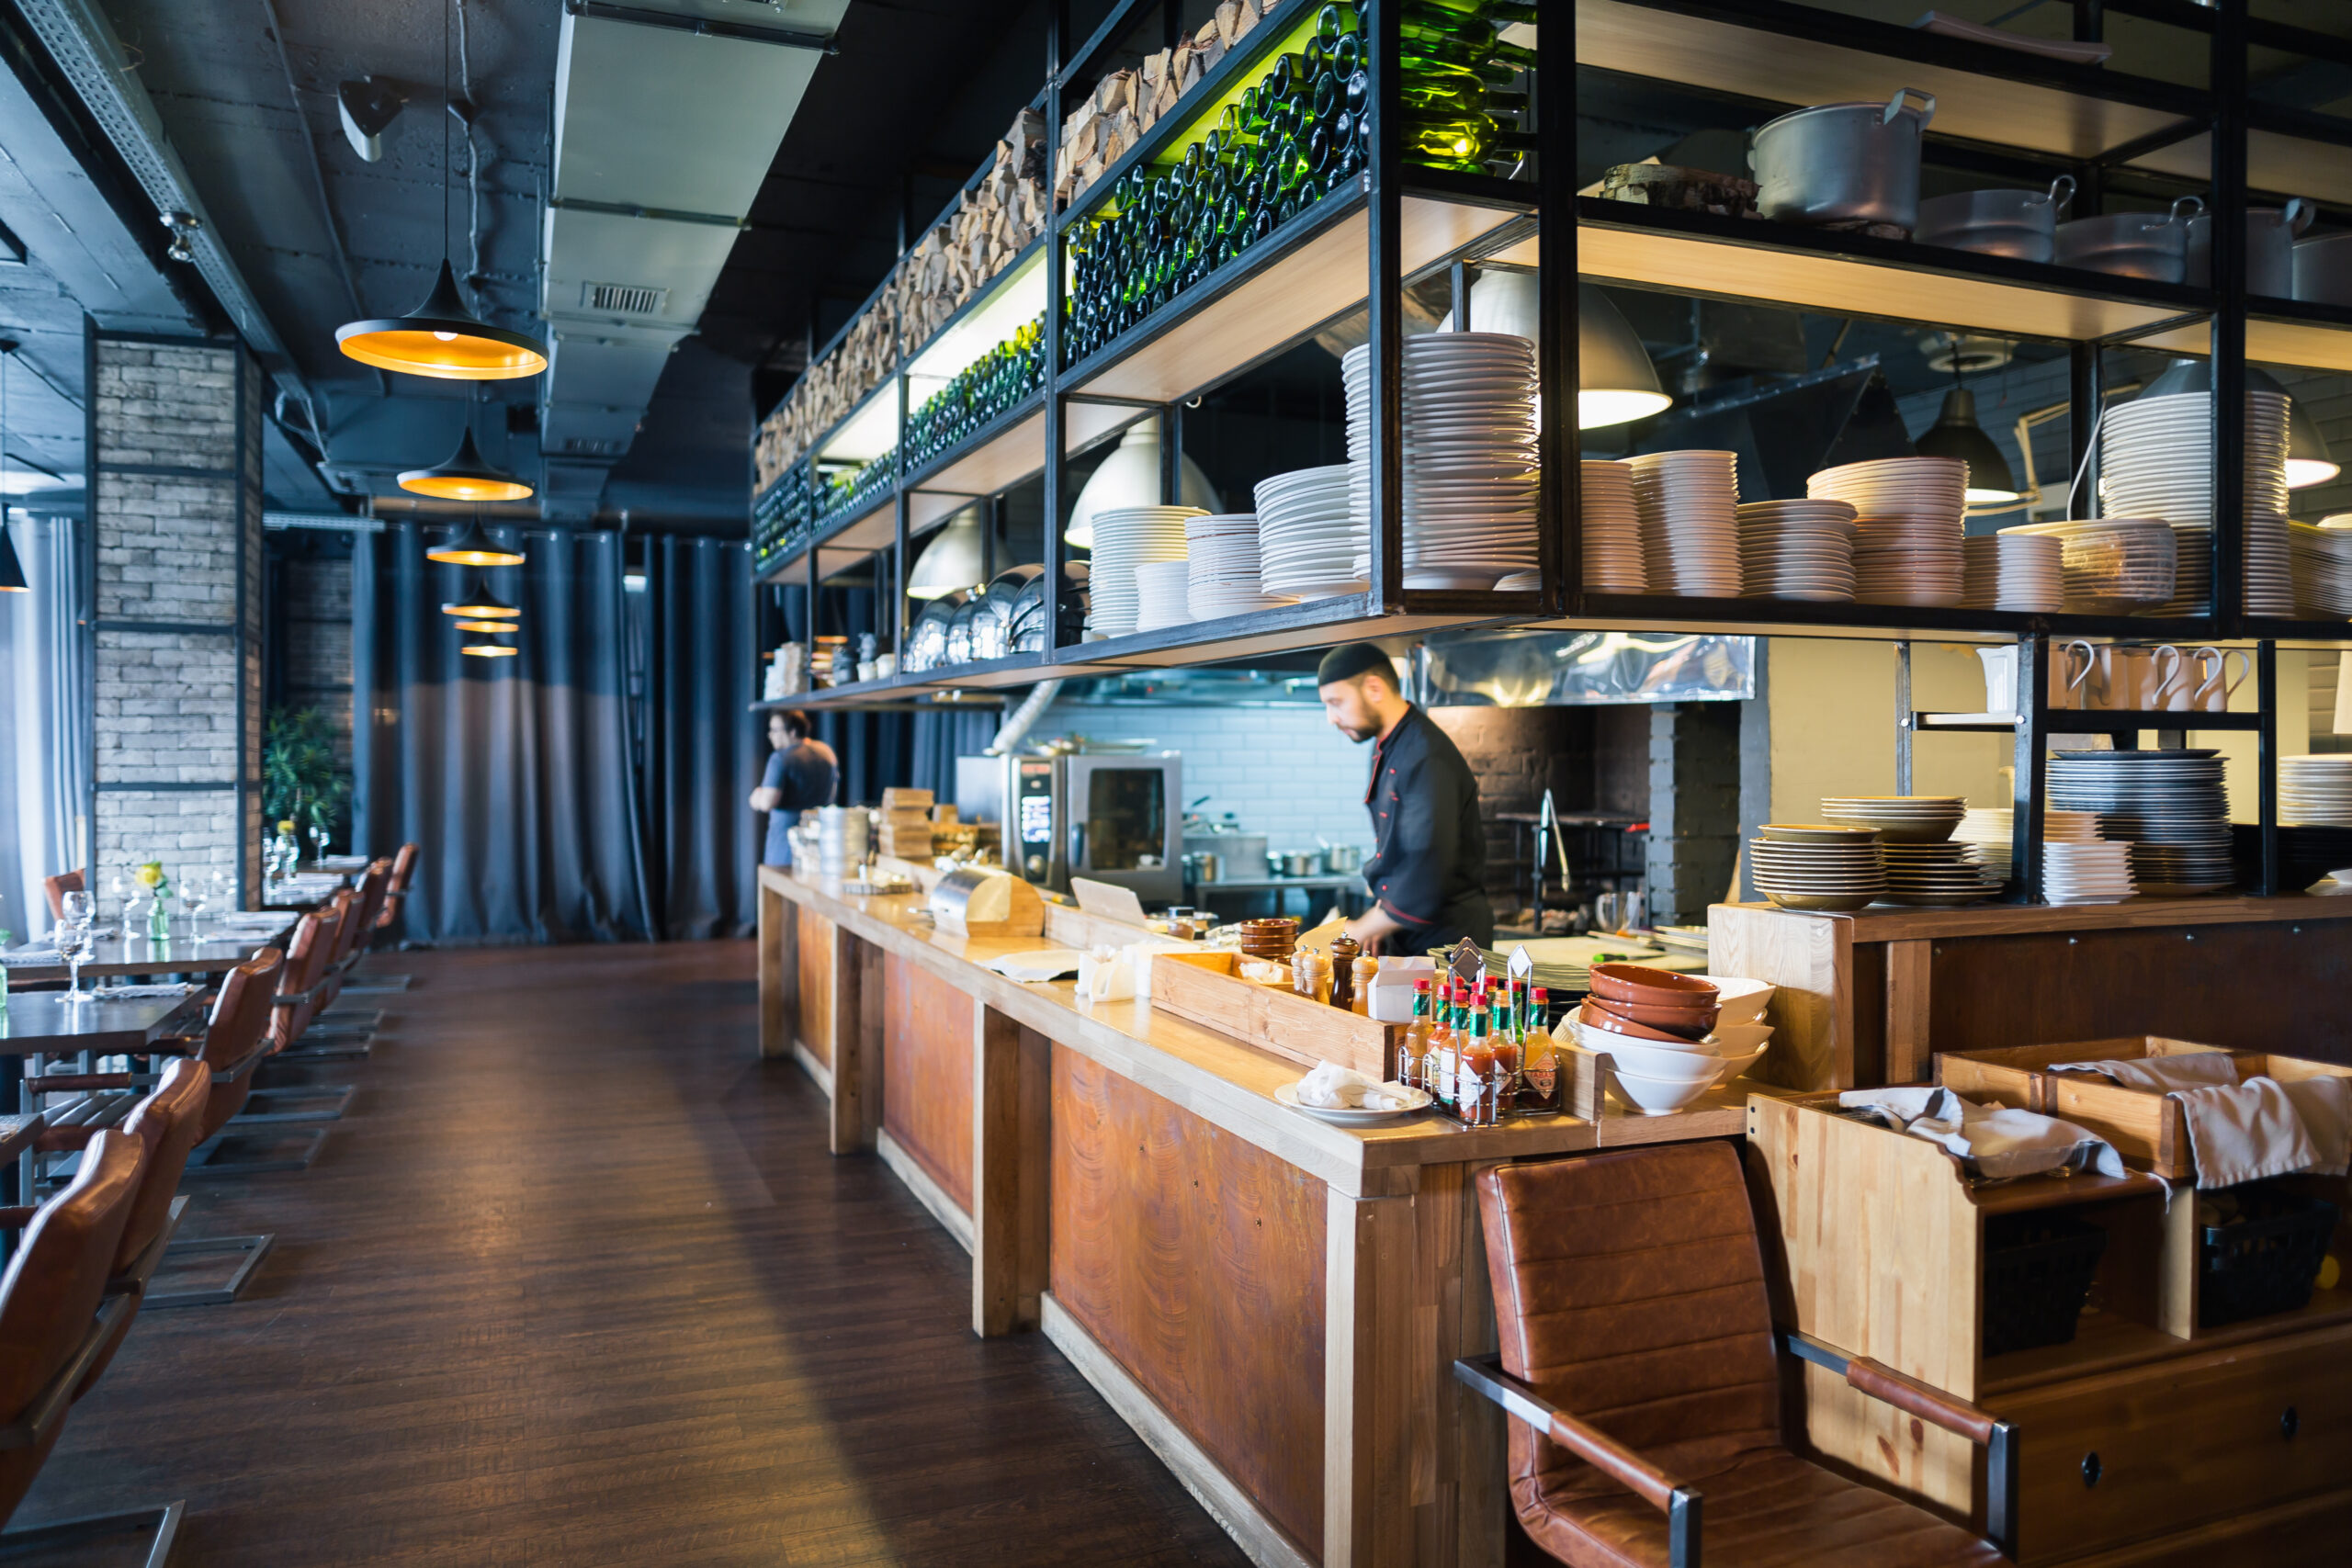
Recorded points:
(1046,963)
(2192,1069)
(134,993)
(2244,1132)
(2325,1105)
(1993,1142)
(1104,975)
(1331,1087)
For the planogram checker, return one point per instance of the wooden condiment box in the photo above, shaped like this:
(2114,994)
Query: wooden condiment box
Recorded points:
(2148,1128)
(1203,987)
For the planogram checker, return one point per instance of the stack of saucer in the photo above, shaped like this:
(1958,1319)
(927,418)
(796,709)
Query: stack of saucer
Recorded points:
(1908,512)
(1688,506)
(1941,876)
(1611,527)
(1163,594)
(1899,819)
(1470,467)
(1797,549)
(2316,790)
(2172,806)
(2010,571)
(2323,562)
(1223,580)
(1992,831)
(1124,538)
(1307,539)
(1817,866)
(2094,873)
(2156,460)
(2114,565)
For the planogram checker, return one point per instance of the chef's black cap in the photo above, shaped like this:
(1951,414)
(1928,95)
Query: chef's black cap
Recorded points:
(1350,660)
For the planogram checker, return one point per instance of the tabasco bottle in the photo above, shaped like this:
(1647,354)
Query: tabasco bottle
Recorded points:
(1538,1073)
(1438,1064)
(1473,1088)
(1411,1056)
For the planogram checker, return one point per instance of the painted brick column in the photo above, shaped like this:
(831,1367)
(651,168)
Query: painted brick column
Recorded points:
(175,462)
(1695,807)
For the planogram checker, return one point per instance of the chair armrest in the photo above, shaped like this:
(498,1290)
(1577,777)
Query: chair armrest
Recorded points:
(18,1217)
(1630,1469)
(48,1406)
(1997,1438)
(295,998)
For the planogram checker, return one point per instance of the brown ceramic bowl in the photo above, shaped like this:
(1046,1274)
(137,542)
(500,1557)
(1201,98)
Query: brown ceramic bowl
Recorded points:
(1694,1022)
(1660,987)
(1599,1019)
(1629,1018)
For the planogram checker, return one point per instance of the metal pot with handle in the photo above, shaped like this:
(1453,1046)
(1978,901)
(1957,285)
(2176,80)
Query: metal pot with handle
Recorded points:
(1342,859)
(1843,162)
(2271,236)
(2131,245)
(2019,223)
(2324,268)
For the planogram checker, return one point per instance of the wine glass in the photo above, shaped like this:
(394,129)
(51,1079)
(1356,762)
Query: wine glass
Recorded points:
(318,842)
(118,888)
(195,892)
(76,940)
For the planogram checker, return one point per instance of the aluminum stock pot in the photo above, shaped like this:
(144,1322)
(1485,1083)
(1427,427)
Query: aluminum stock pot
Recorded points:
(2019,223)
(2131,245)
(2271,236)
(1843,162)
(2324,268)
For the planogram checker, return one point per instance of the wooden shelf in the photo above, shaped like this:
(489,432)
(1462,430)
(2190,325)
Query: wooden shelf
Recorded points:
(2088,721)
(2276,163)
(2020,920)
(2058,1191)
(2278,331)
(1778,52)
(1854,275)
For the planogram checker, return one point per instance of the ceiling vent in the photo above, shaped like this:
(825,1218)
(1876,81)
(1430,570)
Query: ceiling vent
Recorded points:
(589,446)
(623,298)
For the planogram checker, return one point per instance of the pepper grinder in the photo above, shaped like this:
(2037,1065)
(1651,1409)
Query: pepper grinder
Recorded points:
(1344,950)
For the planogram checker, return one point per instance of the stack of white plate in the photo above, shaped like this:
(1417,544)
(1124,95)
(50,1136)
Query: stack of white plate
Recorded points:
(1992,829)
(1223,555)
(2171,806)
(1796,549)
(1611,527)
(2094,873)
(1307,539)
(2156,460)
(1163,594)
(2316,791)
(1826,867)
(1688,507)
(1908,512)
(2009,570)
(1470,467)
(1124,538)
(1942,876)
(2113,566)
(2323,563)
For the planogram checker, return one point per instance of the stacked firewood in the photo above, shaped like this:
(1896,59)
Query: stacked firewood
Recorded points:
(1125,104)
(991,223)
(906,824)
(863,360)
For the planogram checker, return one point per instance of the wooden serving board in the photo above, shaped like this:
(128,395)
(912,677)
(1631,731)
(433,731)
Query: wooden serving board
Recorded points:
(1201,986)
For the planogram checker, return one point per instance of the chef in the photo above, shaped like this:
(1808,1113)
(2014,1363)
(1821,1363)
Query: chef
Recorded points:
(1428,870)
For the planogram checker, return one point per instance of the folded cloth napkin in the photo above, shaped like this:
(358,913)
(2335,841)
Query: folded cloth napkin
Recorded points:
(2190,1069)
(1046,963)
(1990,1141)
(2244,1132)
(141,993)
(1331,1087)
(2325,1105)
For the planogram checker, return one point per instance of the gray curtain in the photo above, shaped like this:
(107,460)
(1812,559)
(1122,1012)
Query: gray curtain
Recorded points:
(46,708)
(513,775)
(705,749)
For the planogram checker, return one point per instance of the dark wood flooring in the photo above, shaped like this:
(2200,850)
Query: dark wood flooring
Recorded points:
(574,1281)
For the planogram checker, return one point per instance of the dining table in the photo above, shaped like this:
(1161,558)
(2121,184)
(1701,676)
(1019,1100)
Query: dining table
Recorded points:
(200,945)
(54,1024)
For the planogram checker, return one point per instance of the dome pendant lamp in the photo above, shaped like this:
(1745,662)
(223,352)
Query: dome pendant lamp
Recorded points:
(442,338)
(466,475)
(479,604)
(12,571)
(490,650)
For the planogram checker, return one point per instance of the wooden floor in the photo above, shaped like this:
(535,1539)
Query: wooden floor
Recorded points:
(575,1282)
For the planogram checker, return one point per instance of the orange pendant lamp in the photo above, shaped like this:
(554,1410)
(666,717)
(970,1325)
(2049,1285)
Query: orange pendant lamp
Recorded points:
(477,602)
(490,649)
(466,475)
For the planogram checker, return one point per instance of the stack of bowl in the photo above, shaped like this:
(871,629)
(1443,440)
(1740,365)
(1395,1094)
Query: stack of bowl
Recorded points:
(1817,865)
(1665,1035)
(1272,940)
(1899,819)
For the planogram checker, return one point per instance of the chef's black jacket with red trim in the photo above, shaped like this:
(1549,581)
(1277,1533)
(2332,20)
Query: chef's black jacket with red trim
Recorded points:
(1428,863)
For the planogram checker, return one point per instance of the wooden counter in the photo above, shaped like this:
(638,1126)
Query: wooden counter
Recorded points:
(1274,1303)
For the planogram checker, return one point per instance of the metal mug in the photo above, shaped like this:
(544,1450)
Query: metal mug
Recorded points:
(1207,867)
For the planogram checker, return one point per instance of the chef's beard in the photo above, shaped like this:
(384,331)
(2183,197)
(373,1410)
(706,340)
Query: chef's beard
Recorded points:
(1358,735)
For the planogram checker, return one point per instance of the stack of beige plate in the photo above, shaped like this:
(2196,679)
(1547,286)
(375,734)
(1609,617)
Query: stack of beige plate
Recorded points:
(1908,511)
(2009,570)
(1817,865)
(1899,819)
(1612,525)
(2114,565)
(2316,790)
(1937,876)
(1797,549)
(2321,553)
(1992,830)
(2156,460)
(1688,507)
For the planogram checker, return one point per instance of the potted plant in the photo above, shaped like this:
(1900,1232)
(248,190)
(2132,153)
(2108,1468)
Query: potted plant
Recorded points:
(301,782)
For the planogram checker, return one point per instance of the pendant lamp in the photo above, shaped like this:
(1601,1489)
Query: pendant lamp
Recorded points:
(490,649)
(442,338)
(12,571)
(1956,433)
(496,628)
(1616,383)
(952,559)
(476,601)
(466,475)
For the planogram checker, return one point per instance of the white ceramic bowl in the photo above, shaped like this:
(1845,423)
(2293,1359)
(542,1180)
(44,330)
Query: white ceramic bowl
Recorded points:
(1663,1065)
(1654,1097)
(1739,1000)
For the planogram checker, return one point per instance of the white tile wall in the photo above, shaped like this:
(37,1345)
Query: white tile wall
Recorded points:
(1284,771)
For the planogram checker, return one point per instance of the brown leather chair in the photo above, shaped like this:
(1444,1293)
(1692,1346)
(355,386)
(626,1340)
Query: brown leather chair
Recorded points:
(1641,1365)
(396,892)
(58,886)
(316,938)
(51,1328)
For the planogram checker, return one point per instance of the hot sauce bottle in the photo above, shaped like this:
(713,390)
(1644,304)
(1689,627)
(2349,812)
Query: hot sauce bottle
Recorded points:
(1474,1091)
(1539,1079)
(1411,1066)
(1438,1065)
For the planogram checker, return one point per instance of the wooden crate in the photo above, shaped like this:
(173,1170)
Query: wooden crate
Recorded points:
(1201,986)
(2017,1075)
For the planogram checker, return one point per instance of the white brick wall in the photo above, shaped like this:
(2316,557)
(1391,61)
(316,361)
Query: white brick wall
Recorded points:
(189,831)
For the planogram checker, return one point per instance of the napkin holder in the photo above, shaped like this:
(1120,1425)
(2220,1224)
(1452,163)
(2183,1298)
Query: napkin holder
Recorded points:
(986,901)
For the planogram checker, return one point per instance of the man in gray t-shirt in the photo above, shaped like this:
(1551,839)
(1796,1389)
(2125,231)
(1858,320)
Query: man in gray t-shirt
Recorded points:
(800,777)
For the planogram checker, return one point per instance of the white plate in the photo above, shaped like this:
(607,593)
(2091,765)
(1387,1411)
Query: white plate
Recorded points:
(1287,1094)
